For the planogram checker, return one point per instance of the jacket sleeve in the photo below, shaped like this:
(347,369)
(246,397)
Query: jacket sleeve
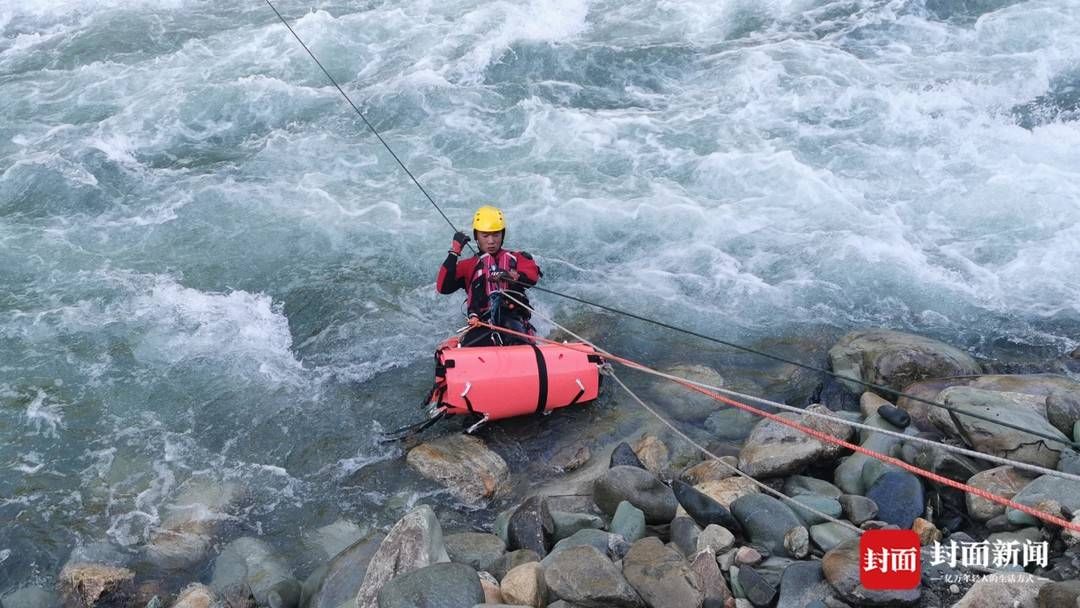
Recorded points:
(528,269)
(452,275)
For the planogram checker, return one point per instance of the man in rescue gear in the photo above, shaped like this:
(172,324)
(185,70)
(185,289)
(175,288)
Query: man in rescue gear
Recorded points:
(484,278)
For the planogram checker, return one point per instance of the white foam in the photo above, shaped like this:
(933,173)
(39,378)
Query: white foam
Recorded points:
(45,414)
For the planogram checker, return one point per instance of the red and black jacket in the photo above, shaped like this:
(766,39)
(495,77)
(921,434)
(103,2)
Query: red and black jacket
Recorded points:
(475,276)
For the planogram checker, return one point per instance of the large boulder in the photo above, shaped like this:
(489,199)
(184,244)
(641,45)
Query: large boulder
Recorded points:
(686,405)
(1020,410)
(638,487)
(1063,409)
(704,509)
(774,449)
(988,593)
(531,526)
(899,496)
(1043,492)
(87,584)
(1041,385)
(338,581)
(476,549)
(1004,481)
(841,569)
(894,359)
(443,585)
(585,577)
(802,583)
(414,542)
(661,576)
(463,464)
(253,565)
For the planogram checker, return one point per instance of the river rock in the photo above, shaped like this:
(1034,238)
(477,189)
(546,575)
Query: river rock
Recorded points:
(568,523)
(30,597)
(1060,593)
(684,534)
(609,544)
(823,504)
(1025,411)
(828,535)
(714,588)
(531,526)
(490,585)
(767,522)
(1043,490)
(442,585)
(701,507)
(661,576)
(858,509)
(638,487)
(196,595)
(327,541)
(684,405)
(476,549)
(1063,409)
(1041,385)
(802,584)
(512,560)
(570,458)
(869,402)
(88,584)
(472,472)
(586,577)
(1005,481)
(987,593)
(628,522)
(774,449)
(624,456)
(710,470)
(253,565)
(895,359)
(415,541)
(725,491)
(731,424)
(341,578)
(899,497)
(191,520)
(525,586)
(755,587)
(848,475)
(894,416)
(653,453)
(716,539)
(840,567)
(801,484)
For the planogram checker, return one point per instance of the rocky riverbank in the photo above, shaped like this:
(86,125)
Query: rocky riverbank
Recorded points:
(652,522)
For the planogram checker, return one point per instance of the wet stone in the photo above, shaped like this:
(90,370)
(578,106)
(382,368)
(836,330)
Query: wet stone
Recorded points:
(858,509)
(701,507)
(511,560)
(755,587)
(895,416)
(623,456)
(443,585)
(531,526)
(629,522)
(766,521)
(684,535)
(475,549)
(899,497)
(638,487)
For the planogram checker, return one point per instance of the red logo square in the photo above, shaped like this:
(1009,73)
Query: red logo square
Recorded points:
(890,559)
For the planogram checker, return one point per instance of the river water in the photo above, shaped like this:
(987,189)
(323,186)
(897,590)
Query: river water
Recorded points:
(208,267)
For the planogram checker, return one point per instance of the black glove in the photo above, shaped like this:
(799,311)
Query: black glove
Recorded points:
(460,239)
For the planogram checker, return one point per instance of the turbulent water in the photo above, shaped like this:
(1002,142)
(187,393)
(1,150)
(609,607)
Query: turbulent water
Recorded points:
(209,266)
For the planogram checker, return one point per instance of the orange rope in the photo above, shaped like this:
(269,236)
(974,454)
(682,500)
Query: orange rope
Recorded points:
(1046,517)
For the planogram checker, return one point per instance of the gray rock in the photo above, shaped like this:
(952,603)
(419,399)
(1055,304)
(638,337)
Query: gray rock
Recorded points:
(684,405)
(801,484)
(476,549)
(1070,459)
(710,470)
(327,541)
(945,463)
(341,578)
(1021,536)
(731,424)
(716,539)
(464,465)
(858,509)
(638,487)
(830,534)
(900,498)
(713,585)
(443,585)
(29,597)
(628,522)
(684,535)
(531,526)
(894,416)
(766,521)
(775,449)
(895,359)
(89,584)
(191,521)
(848,475)
(414,542)
(1061,593)
(755,587)
(512,560)
(802,584)
(840,567)
(611,545)
(661,576)
(584,576)
(624,456)
(1000,523)
(1024,411)
(1064,492)
(1063,409)
(824,504)
(253,564)
(195,595)
(1040,385)
(772,569)
(704,509)
(568,523)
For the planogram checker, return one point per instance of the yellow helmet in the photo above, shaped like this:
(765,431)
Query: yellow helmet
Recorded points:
(488,219)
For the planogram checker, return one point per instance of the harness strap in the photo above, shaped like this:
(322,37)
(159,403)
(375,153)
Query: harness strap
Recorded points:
(542,374)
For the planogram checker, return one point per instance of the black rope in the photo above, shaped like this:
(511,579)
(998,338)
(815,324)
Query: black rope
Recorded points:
(877,387)
(364,118)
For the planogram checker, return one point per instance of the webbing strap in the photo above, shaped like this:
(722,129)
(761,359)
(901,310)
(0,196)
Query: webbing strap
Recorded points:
(542,375)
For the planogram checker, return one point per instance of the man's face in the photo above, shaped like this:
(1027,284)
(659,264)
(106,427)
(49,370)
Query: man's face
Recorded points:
(489,242)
